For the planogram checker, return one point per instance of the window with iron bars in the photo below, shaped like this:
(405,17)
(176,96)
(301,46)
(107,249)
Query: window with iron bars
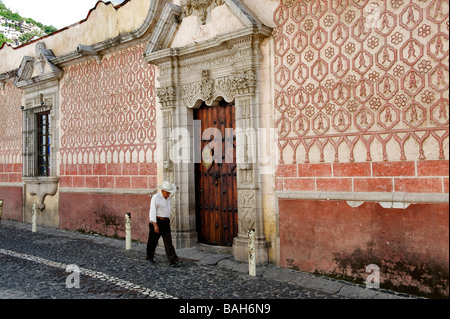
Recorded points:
(43,144)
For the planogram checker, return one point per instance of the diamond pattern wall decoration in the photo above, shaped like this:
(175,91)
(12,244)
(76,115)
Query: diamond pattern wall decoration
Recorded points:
(361,71)
(11,128)
(108,114)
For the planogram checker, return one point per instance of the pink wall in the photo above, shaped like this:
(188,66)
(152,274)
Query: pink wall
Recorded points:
(361,105)
(410,246)
(11,173)
(406,176)
(105,214)
(13,203)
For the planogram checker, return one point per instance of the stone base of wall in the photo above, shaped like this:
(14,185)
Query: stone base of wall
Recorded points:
(410,246)
(105,214)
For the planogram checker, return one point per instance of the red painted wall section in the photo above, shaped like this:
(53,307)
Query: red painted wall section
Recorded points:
(407,176)
(12,203)
(105,214)
(410,246)
(10,173)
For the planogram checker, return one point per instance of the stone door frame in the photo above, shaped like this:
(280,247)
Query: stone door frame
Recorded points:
(224,67)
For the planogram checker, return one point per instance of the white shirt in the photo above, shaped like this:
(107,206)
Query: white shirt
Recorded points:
(160,207)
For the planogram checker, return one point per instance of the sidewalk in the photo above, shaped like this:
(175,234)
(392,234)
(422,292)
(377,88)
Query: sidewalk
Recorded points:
(206,255)
(222,258)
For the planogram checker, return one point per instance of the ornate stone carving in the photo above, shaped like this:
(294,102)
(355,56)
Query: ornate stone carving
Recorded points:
(206,87)
(247,215)
(199,8)
(229,87)
(246,174)
(242,83)
(168,127)
(167,95)
(42,187)
(47,71)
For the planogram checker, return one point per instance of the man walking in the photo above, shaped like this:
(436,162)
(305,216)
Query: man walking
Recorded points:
(160,210)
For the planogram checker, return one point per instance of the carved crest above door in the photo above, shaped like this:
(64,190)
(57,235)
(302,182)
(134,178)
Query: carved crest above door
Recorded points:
(199,8)
(225,65)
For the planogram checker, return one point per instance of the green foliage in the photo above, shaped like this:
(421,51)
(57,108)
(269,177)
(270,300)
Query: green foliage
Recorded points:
(4,39)
(10,15)
(7,13)
(24,38)
(49,29)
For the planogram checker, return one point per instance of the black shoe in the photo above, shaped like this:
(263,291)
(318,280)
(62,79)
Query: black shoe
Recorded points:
(151,261)
(175,264)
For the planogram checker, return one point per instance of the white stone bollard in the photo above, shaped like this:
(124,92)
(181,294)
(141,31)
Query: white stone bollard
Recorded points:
(251,253)
(128,230)
(34,218)
(1,210)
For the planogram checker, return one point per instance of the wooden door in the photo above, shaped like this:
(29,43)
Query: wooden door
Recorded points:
(216,181)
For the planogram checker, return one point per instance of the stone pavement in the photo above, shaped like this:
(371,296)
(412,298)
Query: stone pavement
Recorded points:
(35,266)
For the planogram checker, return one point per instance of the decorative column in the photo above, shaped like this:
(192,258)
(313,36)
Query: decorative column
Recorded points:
(250,215)
(179,172)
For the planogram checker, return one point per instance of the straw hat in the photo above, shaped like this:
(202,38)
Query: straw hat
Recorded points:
(168,187)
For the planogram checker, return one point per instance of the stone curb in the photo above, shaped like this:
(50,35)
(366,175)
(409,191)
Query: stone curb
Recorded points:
(320,283)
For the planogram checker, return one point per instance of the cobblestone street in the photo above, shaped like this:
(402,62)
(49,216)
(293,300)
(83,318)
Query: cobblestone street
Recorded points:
(308,136)
(36,266)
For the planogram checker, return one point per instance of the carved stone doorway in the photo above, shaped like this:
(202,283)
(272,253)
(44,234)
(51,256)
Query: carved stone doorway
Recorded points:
(225,66)
(216,175)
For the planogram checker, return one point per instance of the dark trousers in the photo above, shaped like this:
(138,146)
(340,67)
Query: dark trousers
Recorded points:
(153,238)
